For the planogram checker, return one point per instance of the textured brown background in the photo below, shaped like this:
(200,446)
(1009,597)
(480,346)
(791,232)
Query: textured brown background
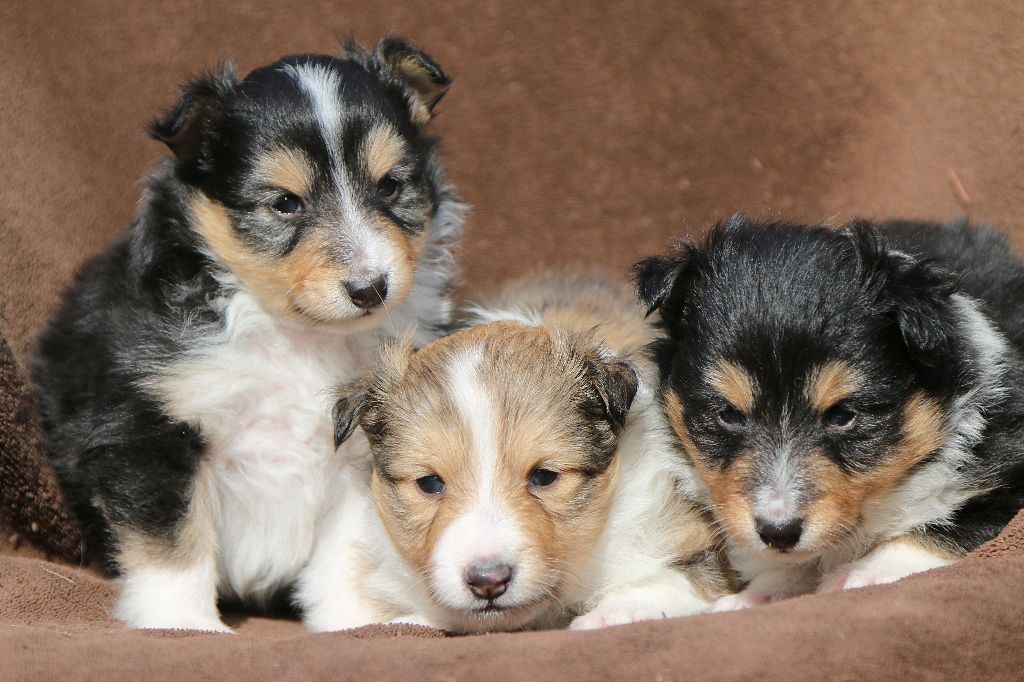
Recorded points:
(585,132)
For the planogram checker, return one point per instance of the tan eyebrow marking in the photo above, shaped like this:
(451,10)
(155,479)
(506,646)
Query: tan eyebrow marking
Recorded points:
(735,385)
(830,383)
(384,150)
(287,168)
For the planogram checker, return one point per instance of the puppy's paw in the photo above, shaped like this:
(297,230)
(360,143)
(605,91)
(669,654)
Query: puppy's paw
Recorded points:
(413,619)
(196,622)
(618,612)
(744,600)
(886,564)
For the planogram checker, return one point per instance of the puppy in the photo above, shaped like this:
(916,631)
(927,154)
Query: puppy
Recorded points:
(303,215)
(523,475)
(850,399)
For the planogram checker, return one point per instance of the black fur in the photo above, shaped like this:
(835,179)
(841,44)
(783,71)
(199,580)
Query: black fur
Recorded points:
(780,299)
(135,308)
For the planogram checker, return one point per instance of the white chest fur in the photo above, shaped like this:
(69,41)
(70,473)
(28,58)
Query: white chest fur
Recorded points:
(260,392)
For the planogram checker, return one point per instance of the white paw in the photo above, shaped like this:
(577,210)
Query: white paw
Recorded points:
(413,619)
(619,612)
(196,622)
(744,600)
(887,564)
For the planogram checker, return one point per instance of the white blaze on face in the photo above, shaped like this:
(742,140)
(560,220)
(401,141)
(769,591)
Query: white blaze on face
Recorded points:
(367,252)
(484,532)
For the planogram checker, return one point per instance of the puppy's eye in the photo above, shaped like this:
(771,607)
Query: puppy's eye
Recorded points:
(288,205)
(839,418)
(542,478)
(431,485)
(731,419)
(387,188)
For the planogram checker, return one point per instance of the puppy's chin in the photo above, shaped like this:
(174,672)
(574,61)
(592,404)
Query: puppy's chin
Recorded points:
(496,618)
(340,318)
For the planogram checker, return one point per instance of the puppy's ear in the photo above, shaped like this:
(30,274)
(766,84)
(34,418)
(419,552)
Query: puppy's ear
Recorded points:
(655,277)
(616,382)
(914,292)
(184,128)
(358,403)
(349,407)
(424,81)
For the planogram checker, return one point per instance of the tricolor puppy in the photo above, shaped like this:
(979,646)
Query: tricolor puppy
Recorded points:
(852,400)
(523,474)
(302,216)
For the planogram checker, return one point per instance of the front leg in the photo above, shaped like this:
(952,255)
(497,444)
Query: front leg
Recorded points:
(887,563)
(330,590)
(666,594)
(769,584)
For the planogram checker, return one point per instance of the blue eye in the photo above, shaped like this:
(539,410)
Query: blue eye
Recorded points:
(431,485)
(542,478)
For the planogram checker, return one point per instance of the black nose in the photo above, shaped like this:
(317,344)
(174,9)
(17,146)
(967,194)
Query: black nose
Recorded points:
(780,535)
(368,295)
(488,581)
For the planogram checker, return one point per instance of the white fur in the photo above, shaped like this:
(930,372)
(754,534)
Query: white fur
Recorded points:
(928,496)
(888,563)
(170,599)
(259,388)
(627,578)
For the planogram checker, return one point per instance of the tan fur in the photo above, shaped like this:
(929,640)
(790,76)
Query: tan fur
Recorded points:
(194,539)
(734,384)
(308,282)
(843,495)
(427,92)
(288,169)
(535,431)
(831,383)
(384,150)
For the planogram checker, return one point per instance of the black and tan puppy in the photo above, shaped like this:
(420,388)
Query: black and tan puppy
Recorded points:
(303,215)
(852,400)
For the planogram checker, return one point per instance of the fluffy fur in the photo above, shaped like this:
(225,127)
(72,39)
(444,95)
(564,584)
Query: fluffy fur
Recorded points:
(303,216)
(523,475)
(850,399)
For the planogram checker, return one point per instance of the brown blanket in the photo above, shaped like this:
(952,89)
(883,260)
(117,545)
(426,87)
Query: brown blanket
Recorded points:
(589,133)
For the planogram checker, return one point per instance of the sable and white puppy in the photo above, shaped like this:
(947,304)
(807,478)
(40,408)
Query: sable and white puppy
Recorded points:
(183,384)
(523,475)
(852,400)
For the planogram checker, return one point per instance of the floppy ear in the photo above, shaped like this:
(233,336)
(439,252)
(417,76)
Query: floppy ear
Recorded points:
(914,291)
(349,408)
(185,126)
(356,402)
(656,276)
(616,384)
(424,81)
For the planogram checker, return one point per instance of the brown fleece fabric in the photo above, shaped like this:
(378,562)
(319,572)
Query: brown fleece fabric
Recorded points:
(590,133)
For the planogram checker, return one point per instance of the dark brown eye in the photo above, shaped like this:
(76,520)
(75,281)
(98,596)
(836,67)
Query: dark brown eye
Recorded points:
(731,419)
(431,485)
(542,478)
(288,205)
(839,418)
(387,188)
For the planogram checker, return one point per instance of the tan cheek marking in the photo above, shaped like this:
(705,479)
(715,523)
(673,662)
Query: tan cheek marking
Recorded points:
(732,506)
(306,275)
(844,494)
(384,150)
(288,169)
(734,384)
(408,249)
(831,383)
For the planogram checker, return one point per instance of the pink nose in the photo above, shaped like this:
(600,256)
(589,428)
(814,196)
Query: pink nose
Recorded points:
(488,581)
